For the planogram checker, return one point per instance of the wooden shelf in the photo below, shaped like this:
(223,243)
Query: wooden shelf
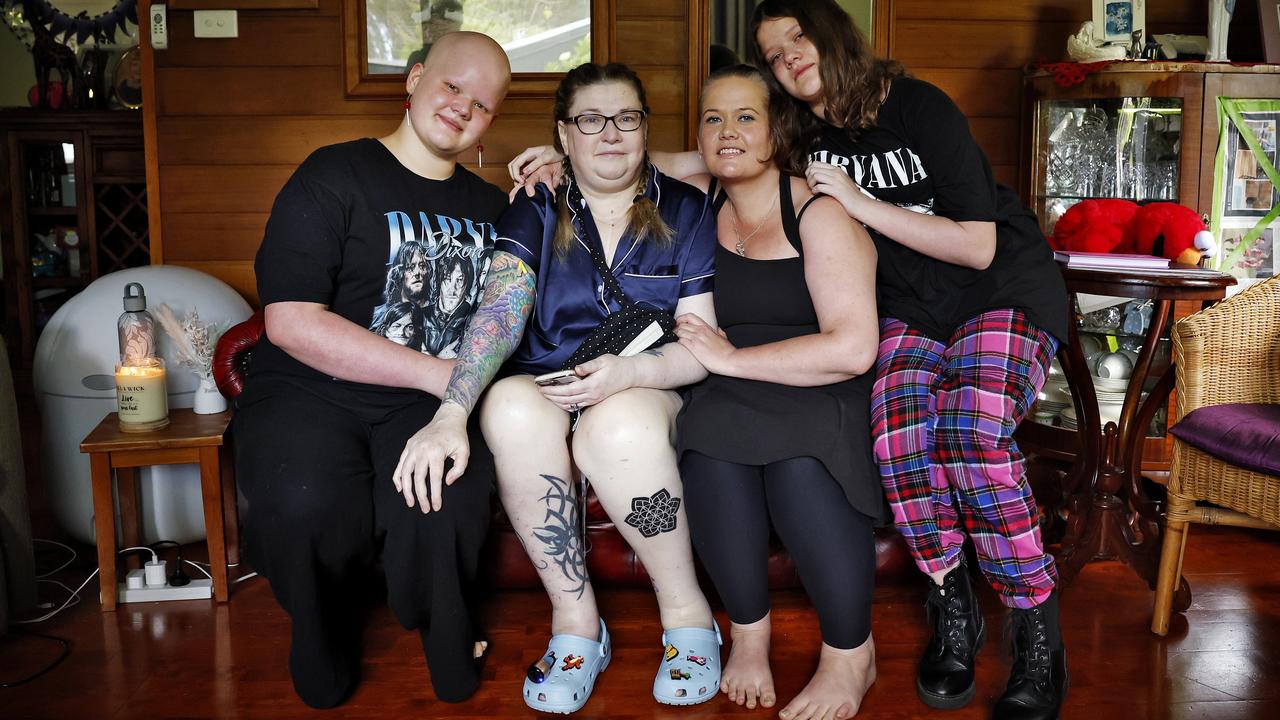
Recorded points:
(110,216)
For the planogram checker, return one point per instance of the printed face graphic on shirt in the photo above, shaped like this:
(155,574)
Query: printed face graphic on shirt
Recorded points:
(401,330)
(875,173)
(451,289)
(435,269)
(415,277)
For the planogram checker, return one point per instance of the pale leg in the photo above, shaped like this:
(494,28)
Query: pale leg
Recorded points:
(529,439)
(624,445)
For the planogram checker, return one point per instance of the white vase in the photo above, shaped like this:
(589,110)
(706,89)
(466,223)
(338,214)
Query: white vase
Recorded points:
(207,400)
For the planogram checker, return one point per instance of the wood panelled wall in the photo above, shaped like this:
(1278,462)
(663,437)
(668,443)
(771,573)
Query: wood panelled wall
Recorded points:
(234,117)
(976,50)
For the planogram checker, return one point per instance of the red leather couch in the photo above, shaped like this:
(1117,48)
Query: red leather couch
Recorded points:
(610,560)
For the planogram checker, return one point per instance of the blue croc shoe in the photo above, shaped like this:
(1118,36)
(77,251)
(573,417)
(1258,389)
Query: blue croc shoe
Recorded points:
(561,681)
(690,669)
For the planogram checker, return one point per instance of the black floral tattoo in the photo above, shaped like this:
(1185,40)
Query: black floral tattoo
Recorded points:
(654,514)
(562,534)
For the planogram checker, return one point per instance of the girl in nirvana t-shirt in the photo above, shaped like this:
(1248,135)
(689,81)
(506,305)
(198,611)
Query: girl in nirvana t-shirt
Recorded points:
(972,310)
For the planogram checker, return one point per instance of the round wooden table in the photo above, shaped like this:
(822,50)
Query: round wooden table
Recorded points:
(1109,515)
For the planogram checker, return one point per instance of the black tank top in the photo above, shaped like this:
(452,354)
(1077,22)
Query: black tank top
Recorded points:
(763,301)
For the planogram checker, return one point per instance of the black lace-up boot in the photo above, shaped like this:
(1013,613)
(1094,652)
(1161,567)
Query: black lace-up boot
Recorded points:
(944,679)
(1038,683)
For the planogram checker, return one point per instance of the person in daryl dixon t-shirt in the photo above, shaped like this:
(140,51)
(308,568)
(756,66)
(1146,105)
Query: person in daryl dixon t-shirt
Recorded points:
(358,245)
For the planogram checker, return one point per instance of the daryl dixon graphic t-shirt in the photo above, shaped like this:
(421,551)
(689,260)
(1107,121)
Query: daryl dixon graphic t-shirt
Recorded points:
(921,156)
(389,250)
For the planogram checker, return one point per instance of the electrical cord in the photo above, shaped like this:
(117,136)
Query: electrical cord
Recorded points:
(62,655)
(203,567)
(61,567)
(72,599)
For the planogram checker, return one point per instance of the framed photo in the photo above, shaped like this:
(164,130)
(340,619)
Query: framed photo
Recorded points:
(1248,191)
(126,79)
(1115,21)
(1256,261)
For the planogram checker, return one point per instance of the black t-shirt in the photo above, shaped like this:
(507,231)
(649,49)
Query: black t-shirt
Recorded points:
(381,246)
(921,156)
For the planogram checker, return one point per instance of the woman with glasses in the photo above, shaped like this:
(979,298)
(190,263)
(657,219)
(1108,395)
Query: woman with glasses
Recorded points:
(613,420)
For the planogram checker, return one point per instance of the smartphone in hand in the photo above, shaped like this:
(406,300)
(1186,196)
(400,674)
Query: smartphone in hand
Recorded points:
(559,377)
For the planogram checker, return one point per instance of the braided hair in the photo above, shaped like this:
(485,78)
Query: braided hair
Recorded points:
(644,222)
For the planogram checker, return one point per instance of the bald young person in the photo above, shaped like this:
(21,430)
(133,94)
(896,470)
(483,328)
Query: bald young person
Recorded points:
(354,256)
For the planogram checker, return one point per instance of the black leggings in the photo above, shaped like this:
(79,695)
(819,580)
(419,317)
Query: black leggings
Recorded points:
(830,542)
(323,511)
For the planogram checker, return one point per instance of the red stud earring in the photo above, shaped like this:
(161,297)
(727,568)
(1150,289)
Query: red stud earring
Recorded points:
(408,102)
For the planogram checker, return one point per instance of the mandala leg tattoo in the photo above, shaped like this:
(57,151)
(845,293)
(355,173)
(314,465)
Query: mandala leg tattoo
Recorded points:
(562,534)
(654,514)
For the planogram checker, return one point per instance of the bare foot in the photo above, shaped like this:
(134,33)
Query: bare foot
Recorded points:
(836,689)
(746,678)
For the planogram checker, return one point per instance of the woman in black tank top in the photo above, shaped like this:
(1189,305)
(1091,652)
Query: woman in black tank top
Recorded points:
(780,428)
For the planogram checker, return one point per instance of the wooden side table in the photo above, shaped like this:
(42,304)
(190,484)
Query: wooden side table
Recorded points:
(189,438)
(1110,515)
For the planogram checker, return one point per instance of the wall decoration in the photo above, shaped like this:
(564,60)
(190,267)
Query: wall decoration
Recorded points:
(126,79)
(1246,186)
(1116,21)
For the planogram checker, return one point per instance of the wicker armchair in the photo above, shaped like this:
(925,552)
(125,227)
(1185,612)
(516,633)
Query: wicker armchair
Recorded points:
(1225,354)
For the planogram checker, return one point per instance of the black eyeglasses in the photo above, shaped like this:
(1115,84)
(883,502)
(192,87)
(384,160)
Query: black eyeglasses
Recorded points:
(593,123)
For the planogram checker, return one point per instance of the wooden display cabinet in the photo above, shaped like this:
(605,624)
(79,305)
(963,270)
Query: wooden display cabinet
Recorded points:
(72,208)
(1143,131)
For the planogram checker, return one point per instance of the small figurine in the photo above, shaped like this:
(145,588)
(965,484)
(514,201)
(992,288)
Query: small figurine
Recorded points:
(1135,49)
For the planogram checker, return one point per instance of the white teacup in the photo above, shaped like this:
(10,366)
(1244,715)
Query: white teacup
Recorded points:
(1113,365)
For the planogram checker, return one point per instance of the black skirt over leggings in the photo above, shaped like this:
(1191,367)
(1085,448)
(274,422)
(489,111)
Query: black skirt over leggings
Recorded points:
(322,509)
(752,452)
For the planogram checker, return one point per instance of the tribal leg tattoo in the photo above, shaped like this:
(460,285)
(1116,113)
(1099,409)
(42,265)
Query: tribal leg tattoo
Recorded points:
(562,534)
(495,329)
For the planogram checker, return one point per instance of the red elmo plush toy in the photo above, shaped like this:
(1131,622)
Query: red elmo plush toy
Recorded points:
(1121,226)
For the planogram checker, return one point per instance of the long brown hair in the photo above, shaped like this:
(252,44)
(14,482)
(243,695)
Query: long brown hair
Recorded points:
(853,78)
(643,221)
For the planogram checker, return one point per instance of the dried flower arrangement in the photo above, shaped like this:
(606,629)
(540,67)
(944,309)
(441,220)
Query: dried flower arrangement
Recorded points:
(193,341)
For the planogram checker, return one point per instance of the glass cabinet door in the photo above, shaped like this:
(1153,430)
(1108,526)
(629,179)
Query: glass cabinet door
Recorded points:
(1126,147)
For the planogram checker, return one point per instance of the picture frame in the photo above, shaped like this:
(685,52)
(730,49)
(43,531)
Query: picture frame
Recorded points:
(1269,21)
(126,79)
(1249,192)
(1258,261)
(1115,21)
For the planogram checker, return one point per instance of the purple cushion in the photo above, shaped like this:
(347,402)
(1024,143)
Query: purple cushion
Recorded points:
(1243,434)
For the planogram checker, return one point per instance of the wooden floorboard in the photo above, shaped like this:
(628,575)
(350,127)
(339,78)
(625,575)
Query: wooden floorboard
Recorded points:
(196,660)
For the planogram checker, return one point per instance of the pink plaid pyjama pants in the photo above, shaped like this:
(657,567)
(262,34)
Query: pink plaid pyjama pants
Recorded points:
(942,417)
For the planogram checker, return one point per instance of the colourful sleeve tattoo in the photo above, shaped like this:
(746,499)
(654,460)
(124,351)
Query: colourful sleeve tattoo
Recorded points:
(495,329)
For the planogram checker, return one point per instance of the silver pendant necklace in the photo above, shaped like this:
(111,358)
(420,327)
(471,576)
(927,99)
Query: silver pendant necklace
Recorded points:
(740,245)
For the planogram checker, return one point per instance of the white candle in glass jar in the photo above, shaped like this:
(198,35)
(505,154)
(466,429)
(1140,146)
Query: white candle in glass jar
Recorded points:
(141,396)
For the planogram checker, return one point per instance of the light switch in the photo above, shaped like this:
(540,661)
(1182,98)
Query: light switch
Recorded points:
(216,24)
